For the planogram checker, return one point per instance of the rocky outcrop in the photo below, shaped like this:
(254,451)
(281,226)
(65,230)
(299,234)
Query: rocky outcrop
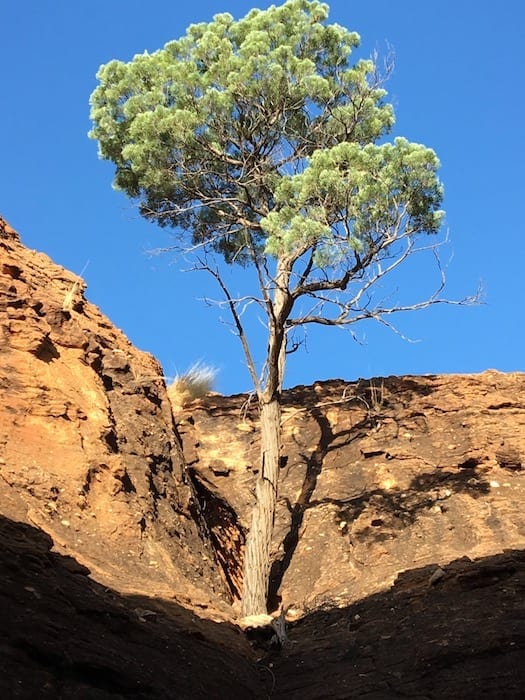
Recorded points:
(459,636)
(398,547)
(377,477)
(88,449)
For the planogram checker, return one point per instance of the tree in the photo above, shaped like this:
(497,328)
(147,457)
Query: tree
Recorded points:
(260,142)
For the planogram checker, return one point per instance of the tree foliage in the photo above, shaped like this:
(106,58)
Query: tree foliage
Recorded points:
(258,136)
(263,141)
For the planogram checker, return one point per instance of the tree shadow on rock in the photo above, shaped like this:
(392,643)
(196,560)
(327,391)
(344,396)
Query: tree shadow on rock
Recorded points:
(314,463)
(404,506)
(413,385)
(400,507)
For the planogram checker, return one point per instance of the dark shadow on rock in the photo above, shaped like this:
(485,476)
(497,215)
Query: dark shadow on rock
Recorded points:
(461,636)
(418,386)
(308,395)
(360,390)
(226,534)
(63,635)
(314,464)
(47,351)
(396,508)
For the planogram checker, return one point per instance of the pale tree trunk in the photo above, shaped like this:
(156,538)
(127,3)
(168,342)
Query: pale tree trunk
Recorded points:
(258,543)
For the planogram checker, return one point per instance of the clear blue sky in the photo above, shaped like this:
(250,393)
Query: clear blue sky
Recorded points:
(458,87)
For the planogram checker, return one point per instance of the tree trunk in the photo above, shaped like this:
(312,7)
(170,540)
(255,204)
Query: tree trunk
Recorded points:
(258,543)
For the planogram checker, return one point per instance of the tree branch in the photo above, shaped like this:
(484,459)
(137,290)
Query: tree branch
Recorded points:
(352,311)
(232,304)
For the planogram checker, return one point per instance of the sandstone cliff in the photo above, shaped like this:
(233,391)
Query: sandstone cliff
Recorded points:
(377,477)
(398,548)
(88,449)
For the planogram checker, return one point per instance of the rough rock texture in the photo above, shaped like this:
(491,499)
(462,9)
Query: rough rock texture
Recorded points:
(66,637)
(88,450)
(398,546)
(460,636)
(377,477)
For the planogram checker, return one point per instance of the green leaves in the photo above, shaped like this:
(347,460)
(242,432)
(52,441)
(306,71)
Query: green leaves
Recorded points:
(357,197)
(258,137)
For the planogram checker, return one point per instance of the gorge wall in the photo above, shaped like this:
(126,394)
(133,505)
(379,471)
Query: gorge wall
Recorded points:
(377,477)
(89,452)
(398,546)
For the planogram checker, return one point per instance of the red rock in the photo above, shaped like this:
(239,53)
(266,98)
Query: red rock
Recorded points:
(87,437)
(398,546)
(378,477)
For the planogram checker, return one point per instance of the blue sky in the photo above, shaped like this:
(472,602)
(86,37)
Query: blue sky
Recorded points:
(457,87)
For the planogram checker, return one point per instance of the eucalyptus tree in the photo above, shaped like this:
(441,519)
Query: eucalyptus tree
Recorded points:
(261,143)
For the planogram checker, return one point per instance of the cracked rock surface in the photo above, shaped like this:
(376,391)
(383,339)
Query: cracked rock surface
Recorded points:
(88,450)
(377,477)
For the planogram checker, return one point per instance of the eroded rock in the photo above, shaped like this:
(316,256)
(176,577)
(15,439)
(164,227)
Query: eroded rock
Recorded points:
(377,477)
(88,447)
(398,547)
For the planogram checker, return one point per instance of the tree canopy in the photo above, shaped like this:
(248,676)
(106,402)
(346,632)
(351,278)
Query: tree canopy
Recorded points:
(259,137)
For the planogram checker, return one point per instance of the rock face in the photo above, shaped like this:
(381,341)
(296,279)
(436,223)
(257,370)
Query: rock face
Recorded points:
(64,635)
(461,636)
(377,477)
(398,546)
(89,453)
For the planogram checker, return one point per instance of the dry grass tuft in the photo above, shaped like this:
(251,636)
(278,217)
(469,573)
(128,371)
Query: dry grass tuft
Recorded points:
(193,384)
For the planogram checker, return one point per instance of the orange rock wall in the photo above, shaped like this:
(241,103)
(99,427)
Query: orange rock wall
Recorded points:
(377,477)
(88,449)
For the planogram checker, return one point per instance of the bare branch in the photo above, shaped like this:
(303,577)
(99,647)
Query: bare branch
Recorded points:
(232,305)
(353,310)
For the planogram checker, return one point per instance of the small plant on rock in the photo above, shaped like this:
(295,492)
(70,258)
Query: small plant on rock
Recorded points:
(194,383)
